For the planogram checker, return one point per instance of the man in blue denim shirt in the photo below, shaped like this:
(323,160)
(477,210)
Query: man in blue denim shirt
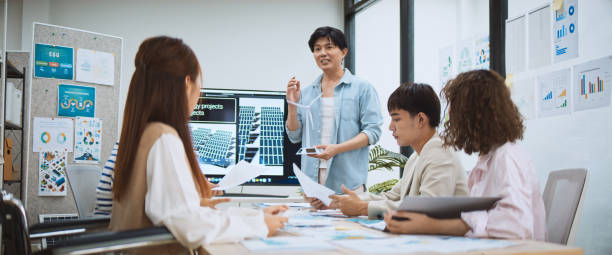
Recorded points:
(353,110)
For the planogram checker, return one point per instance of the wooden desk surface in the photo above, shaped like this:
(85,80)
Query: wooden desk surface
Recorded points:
(523,247)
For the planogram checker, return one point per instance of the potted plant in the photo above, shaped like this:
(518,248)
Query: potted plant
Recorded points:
(383,159)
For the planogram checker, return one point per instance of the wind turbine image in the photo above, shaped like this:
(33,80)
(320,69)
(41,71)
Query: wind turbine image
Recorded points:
(306,147)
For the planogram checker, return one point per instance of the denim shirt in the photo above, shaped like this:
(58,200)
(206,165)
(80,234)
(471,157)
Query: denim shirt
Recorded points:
(357,110)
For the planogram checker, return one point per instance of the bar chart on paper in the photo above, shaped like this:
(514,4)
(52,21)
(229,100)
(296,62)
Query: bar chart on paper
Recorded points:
(591,84)
(553,93)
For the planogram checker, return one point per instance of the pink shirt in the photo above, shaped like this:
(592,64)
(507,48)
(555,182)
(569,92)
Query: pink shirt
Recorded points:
(507,172)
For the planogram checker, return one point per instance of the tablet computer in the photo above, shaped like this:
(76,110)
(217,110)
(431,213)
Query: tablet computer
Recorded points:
(446,207)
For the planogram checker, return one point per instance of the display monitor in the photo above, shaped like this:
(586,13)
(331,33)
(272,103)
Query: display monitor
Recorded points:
(228,126)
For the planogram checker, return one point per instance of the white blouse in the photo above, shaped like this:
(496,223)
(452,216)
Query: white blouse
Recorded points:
(173,201)
(327,124)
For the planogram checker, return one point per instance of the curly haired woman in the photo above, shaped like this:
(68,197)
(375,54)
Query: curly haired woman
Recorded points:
(484,120)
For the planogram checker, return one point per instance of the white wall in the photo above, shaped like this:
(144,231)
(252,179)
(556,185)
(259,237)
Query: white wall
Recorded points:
(241,44)
(581,139)
(377,60)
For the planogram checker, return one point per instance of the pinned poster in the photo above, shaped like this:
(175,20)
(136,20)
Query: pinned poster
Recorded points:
(523,96)
(87,140)
(565,31)
(482,54)
(465,53)
(446,64)
(95,67)
(554,93)
(592,84)
(52,173)
(51,61)
(52,134)
(73,101)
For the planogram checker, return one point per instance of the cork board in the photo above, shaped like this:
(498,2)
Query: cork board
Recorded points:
(43,103)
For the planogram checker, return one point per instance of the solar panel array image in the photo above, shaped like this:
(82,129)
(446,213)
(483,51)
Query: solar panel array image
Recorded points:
(213,148)
(271,136)
(246,116)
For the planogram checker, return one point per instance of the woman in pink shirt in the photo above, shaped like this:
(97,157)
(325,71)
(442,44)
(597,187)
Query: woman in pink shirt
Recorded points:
(484,120)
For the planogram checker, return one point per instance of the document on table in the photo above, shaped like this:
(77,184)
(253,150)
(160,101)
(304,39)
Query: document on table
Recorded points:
(313,189)
(286,243)
(239,174)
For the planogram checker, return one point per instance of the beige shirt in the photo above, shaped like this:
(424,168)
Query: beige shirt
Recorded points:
(436,171)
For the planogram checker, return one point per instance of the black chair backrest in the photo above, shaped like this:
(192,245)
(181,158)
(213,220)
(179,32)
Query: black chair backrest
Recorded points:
(15,237)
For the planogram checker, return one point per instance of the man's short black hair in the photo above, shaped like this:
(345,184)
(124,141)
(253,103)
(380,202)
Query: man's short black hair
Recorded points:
(415,98)
(335,35)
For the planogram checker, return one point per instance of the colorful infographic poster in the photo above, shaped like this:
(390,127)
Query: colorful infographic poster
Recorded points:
(592,84)
(52,173)
(73,101)
(52,134)
(51,61)
(554,93)
(565,31)
(465,53)
(482,54)
(88,140)
(95,67)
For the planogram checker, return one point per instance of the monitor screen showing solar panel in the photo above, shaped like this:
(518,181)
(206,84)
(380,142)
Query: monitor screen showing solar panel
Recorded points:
(228,126)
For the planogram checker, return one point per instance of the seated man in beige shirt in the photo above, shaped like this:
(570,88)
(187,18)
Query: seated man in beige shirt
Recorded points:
(430,171)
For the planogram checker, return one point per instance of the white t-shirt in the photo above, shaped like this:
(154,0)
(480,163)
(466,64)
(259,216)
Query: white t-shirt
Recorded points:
(327,124)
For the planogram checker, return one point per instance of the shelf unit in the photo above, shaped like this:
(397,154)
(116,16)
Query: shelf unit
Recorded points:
(14,73)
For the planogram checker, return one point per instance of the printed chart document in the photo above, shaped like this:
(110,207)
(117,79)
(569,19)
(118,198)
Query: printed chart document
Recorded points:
(239,174)
(287,243)
(313,189)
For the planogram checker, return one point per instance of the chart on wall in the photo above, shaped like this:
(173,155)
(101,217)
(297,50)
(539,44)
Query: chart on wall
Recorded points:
(52,173)
(88,140)
(482,54)
(523,96)
(565,31)
(446,64)
(554,93)
(95,67)
(592,84)
(465,52)
(516,50)
(52,61)
(539,37)
(52,134)
(73,101)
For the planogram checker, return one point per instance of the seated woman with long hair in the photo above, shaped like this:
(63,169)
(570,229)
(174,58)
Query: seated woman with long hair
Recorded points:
(157,177)
(484,120)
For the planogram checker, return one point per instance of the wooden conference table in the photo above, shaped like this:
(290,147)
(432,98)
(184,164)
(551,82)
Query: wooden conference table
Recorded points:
(524,247)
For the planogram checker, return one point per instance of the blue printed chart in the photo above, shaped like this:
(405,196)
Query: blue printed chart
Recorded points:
(482,55)
(51,61)
(87,140)
(553,93)
(75,101)
(592,84)
(565,31)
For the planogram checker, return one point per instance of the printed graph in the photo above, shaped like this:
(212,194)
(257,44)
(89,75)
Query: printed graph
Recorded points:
(591,84)
(553,97)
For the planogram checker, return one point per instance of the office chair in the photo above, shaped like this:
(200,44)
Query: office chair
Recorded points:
(16,237)
(563,197)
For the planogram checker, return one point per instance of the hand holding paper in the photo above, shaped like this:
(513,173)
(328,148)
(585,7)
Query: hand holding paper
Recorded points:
(313,189)
(239,174)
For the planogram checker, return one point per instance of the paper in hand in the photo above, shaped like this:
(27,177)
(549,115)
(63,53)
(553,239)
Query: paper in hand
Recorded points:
(239,174)
(313,189)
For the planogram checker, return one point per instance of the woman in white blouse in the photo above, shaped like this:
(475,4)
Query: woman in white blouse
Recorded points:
(157,178)
(484,120)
